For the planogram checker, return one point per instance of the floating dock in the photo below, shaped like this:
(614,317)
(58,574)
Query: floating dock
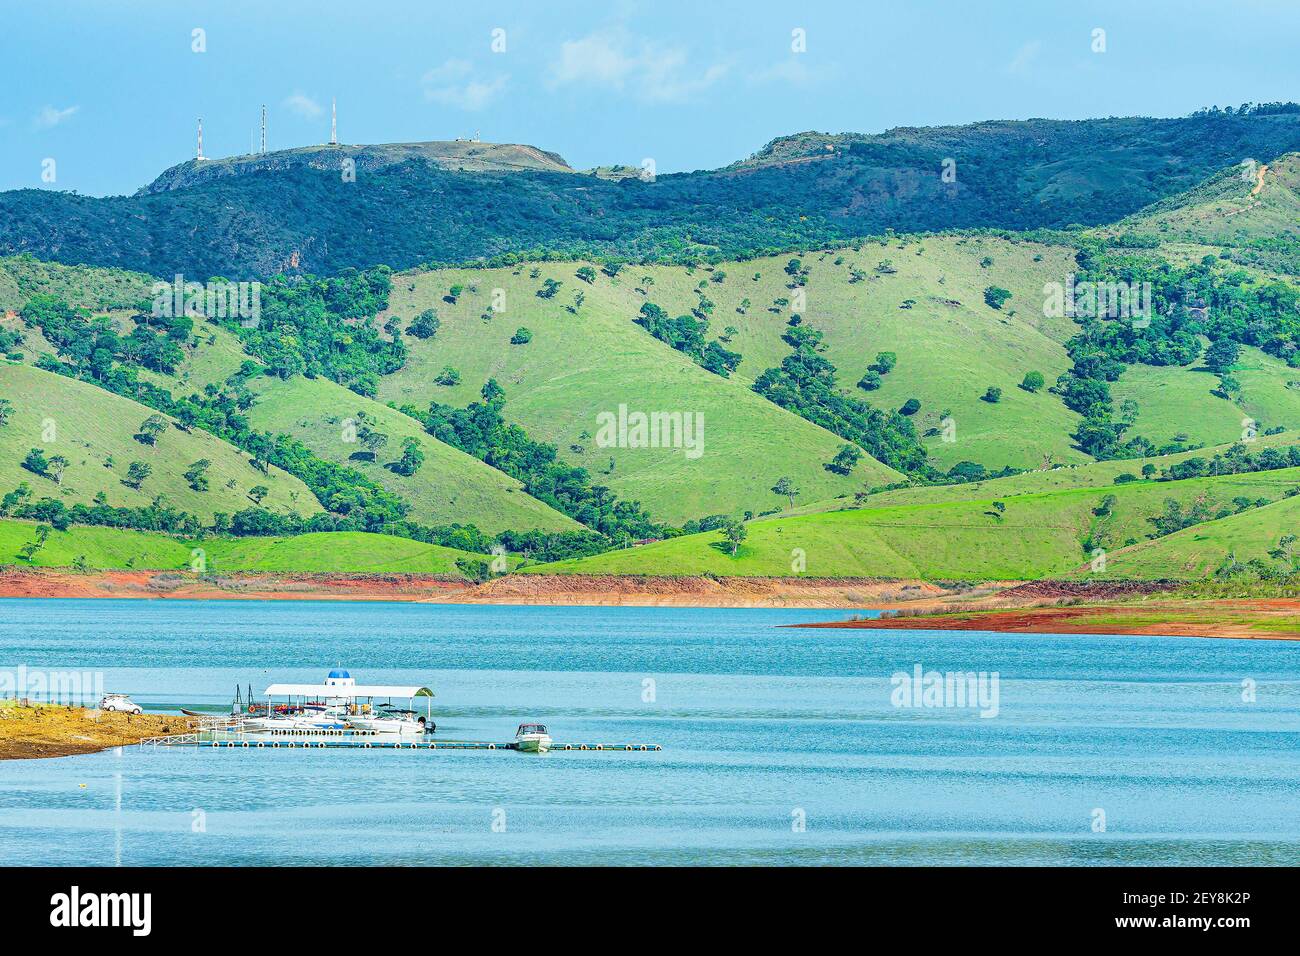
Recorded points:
(228,736)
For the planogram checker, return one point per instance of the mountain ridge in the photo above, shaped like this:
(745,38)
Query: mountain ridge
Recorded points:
(410,210)
(458,155)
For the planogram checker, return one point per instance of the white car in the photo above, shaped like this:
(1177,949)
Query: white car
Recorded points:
(120,703)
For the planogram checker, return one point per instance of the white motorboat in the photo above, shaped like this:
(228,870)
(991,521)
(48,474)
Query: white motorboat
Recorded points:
(390,720)
(532,739)
(280,722)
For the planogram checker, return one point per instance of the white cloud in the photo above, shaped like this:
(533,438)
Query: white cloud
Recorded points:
(456,83)
(1024,57)
(792,71)
(303,105)
(614,59)
(49,117)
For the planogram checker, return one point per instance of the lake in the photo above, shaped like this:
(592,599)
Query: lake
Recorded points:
(780,746)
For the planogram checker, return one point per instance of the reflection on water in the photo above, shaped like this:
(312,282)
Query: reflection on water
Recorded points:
(780,745)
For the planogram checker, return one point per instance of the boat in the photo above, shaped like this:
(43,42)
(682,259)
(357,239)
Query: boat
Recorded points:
(532,739)
(387,719)
(306,717)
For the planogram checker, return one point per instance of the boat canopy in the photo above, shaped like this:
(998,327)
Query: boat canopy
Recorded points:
(335,691)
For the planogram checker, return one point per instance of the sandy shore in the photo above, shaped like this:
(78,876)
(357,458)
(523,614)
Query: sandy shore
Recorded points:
(51,731)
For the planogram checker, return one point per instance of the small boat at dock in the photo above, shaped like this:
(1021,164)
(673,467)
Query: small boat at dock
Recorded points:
(532,738)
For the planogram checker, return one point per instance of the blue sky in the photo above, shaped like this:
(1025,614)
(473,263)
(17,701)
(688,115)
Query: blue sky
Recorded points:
(111,90)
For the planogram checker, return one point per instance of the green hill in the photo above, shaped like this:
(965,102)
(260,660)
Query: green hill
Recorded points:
(450,487)
(1255,198)
(344,551)
(96,432)
(23,277)
(1096,474)
(1196,552)
(582,364)
(1033,536)
(923,300)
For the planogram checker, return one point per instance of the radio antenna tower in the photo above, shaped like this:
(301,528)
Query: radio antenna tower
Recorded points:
(200,152)
(334,122)
(263,127)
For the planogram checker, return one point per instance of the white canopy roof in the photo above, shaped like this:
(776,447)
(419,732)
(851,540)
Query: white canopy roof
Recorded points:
(338,691)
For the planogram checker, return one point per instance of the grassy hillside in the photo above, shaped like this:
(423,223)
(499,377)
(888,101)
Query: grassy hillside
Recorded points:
(23,277)
(922,299)
(1256,198)
(351,551)
(1194,553)
(95,430)
(581,364)
(96,548)
(110,548)
(1034,536)
(1097,474)
(450,487)
(1174,400)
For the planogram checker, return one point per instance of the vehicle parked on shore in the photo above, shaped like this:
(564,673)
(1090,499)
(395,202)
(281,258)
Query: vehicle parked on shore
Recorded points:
(120,704)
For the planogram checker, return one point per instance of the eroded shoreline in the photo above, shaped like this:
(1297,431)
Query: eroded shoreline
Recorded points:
(519,589)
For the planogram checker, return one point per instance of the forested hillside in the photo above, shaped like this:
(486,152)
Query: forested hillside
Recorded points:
(807,190)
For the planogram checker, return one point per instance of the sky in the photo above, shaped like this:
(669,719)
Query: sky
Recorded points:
(111,91)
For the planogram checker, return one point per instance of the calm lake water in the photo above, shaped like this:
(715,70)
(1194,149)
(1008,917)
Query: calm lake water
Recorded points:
(779,746)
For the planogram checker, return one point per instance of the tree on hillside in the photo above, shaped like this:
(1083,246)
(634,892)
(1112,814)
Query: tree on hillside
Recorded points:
(522,336)
(55,468)
(845,460)
(150,429)
(372,439)
(1285,550)
(28,551)
(36,462)
(425,325)
(785,487)
(885,362)
(1222,355)
(910,407)
(1033,381)
(735,532)
(448,376)
(136,473)
(586,274)
(996,296)
(548,289)
(6,409)
(258,492)
(992,396)
(197,476)
(411,460)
